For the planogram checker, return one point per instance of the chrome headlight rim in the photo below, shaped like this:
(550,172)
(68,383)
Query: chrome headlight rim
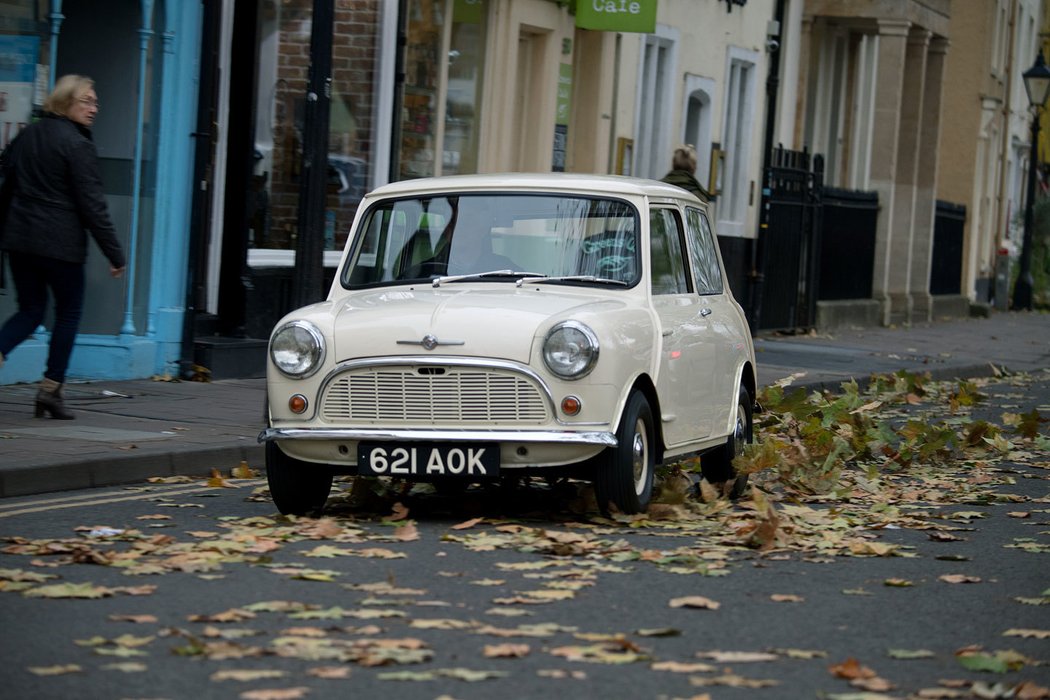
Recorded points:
(317,356)
(592,341)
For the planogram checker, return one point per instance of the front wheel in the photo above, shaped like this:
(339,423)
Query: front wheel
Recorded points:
(297,487)
(717,465)
(624,475)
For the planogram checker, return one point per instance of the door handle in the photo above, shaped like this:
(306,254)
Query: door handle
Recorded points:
(705,312)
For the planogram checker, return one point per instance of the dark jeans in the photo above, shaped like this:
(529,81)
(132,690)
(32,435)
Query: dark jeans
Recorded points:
(33,275)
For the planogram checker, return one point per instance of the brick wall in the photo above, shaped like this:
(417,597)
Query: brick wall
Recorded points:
(353,68)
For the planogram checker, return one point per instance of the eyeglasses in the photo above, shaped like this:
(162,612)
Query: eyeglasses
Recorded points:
(88,102)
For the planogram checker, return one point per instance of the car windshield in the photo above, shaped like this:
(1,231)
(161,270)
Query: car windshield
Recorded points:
(576,239)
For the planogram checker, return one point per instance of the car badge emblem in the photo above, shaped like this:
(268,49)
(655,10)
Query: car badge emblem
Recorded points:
(429,342)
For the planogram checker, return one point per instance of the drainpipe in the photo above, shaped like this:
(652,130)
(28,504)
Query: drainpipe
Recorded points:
(757,276)
(56,26)
(309,248)
(145,32)
(615,105)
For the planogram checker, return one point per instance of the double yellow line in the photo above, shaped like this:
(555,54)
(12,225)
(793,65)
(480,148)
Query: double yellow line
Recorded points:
(9,510)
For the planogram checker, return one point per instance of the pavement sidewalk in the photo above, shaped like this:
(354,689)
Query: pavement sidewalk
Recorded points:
(127,431)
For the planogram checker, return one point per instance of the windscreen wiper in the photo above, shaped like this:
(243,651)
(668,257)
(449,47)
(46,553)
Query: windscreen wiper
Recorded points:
(438,281)
(572,278)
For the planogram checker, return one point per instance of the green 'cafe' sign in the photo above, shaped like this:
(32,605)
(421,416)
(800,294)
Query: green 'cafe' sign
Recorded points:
(617,15)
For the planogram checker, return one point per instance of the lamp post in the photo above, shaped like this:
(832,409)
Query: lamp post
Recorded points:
(1037,85)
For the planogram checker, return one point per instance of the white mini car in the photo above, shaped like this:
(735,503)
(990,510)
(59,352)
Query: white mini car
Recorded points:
(488,326)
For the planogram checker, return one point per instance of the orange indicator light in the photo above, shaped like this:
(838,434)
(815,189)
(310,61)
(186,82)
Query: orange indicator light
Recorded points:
(571,405)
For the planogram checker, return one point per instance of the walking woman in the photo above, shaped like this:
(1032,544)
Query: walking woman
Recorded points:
(54,197)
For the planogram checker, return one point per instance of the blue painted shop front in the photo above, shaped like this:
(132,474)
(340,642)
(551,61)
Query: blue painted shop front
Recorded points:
(144,57)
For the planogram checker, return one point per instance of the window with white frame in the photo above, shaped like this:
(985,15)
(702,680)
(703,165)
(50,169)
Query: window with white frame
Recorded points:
(698,121)
(652,143)
(737,142)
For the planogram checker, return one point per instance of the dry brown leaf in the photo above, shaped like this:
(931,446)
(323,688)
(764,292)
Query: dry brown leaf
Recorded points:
(694,601)
(851,669)
(275,694)
(141,619)
(231,615)
(218,481)
(506,651)
(467,524)
(407,533)
(329,672)
(680,667)
(1027,633)
(398,512)
(1028,690)
(561,674)
(786,598)
(246,674)
(737,657)
(243,471)
(56,670)
(873,685)
(959,578)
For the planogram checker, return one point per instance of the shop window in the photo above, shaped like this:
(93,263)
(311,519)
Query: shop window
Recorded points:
(441,92)
(283,50)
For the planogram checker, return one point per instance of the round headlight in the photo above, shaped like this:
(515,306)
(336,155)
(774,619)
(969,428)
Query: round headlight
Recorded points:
(297,349)
(570,350)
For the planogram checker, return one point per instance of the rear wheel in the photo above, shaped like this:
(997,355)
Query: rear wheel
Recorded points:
(717,465)
(297,487)
(624,475)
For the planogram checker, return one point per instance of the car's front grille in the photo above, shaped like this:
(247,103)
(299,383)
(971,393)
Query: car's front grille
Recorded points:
(434,396)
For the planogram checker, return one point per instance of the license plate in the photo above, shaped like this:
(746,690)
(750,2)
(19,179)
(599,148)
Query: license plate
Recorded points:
(424,460)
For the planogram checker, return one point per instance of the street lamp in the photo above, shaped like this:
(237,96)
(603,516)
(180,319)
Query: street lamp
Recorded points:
(1037,85)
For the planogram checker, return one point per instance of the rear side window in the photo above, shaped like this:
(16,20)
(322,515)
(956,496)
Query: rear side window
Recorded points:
(666,254)
(703,253)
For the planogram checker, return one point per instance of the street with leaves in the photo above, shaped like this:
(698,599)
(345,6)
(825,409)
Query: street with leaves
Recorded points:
(894,543)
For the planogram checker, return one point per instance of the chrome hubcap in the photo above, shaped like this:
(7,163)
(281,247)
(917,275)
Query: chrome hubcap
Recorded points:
(639,457)
(740,434)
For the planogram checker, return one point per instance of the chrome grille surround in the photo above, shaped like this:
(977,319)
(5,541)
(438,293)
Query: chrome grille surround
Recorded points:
(433,392)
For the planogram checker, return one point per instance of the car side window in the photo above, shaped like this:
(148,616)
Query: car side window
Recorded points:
(665,252)
(703,253)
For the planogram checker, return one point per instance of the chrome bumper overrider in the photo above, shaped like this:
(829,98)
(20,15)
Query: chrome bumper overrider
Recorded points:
(588,438)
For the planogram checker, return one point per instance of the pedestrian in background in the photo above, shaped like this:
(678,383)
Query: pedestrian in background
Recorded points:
(55,195)
(683,169)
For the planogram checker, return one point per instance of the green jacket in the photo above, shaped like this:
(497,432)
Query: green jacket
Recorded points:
(685,180)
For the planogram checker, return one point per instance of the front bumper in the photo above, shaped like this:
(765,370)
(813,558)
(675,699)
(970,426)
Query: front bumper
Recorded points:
(604,439)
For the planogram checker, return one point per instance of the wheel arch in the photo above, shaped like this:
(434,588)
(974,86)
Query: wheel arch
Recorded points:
(644,384)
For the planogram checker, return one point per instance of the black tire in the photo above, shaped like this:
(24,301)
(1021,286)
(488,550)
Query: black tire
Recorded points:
(717,465)
(624,474)
(297,487)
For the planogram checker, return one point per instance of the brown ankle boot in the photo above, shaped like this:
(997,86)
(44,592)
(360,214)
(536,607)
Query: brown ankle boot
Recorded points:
(49,400)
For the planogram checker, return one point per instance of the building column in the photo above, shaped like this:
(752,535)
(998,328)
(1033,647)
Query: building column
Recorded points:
(909,143)
(890,62)
(926,182)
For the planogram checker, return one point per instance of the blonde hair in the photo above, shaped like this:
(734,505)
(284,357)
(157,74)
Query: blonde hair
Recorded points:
(67,89)
(684,158)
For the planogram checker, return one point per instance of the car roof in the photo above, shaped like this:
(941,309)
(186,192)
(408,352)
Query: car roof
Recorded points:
(540,182)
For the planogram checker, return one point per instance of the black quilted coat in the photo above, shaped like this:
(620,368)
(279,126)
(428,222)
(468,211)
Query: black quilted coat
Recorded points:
(56,194)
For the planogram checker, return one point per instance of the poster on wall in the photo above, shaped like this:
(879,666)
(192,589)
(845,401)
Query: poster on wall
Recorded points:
(18,74)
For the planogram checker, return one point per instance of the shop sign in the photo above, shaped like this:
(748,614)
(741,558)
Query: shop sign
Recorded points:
(617,15)
(18,55)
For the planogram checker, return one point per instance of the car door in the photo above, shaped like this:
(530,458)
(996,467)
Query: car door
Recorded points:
(686,362)
(723,328)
